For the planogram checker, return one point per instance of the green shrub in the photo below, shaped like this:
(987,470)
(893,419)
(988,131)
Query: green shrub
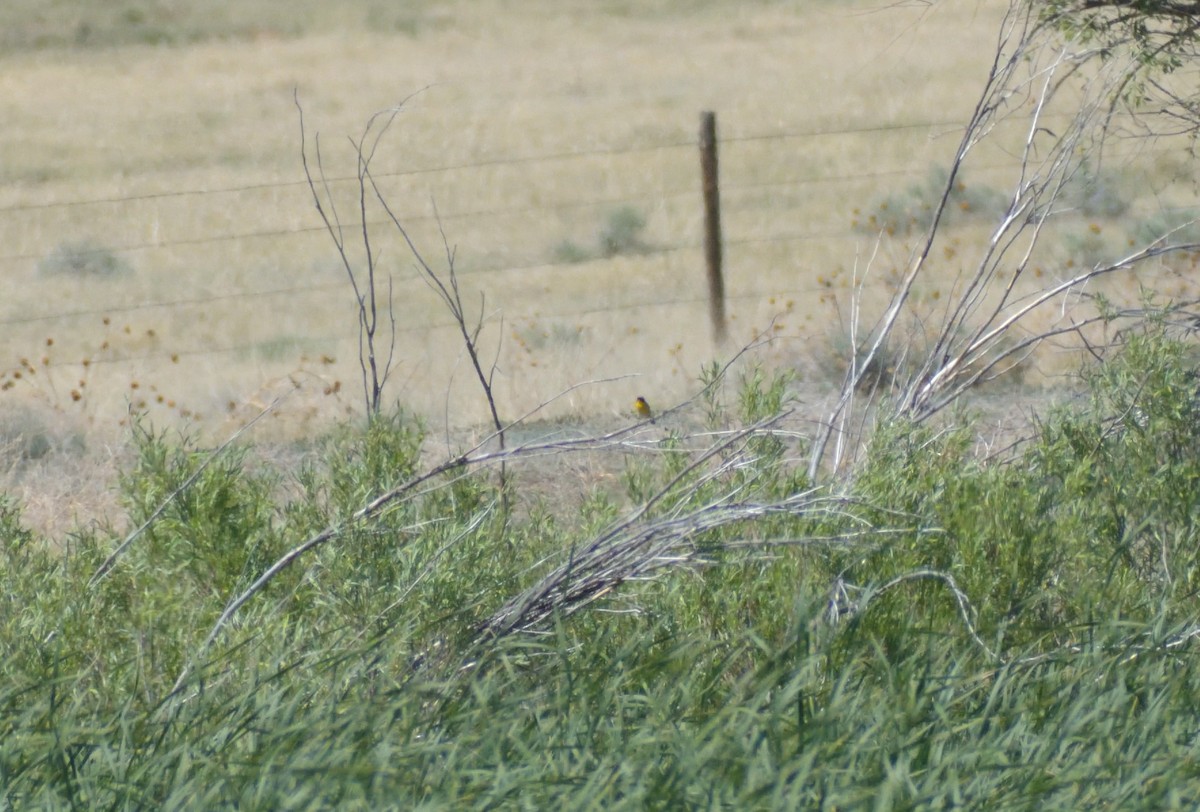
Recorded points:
(362,465)
(621,234)
(569,252)
(1047,665)
(216,531)
(83,258)
(1097,516)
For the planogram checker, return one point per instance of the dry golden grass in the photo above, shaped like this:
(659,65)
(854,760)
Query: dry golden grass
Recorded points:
(236,295)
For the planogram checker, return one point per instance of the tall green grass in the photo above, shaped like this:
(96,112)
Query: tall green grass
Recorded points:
(959,633)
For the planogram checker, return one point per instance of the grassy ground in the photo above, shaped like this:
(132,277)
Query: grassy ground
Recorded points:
(199,326)
(232,293)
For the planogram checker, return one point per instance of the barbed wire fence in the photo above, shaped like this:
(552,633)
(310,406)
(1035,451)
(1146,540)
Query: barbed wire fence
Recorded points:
(741,200)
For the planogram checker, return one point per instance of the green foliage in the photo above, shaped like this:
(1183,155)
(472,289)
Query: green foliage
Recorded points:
(1136,470)
(1160,33)
(760,398)
(1156,37)
(1097,516)
(362,466)
(438,539)
(710,396)
(568,252)
(84,258)
(621,234)
(802,658)
(217,528)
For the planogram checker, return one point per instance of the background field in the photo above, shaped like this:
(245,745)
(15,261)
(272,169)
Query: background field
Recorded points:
(164,142)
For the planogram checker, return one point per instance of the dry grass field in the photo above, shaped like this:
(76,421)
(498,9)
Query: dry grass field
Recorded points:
(166,144)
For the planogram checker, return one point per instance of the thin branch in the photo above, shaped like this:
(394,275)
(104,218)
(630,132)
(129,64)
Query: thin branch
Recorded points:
(965,610)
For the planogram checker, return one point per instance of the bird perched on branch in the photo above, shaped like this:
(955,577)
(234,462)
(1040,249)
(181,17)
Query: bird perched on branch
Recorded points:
(642,409)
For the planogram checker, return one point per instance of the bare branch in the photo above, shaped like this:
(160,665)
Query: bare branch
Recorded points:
(374,370)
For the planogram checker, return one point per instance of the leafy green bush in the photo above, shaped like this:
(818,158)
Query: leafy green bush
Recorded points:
(569,252)
(946,632)
(621,234)
(83,258)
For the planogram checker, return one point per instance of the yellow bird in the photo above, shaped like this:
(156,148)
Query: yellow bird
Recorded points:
(642,409)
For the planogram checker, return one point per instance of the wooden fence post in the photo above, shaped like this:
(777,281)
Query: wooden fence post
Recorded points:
(712,224)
